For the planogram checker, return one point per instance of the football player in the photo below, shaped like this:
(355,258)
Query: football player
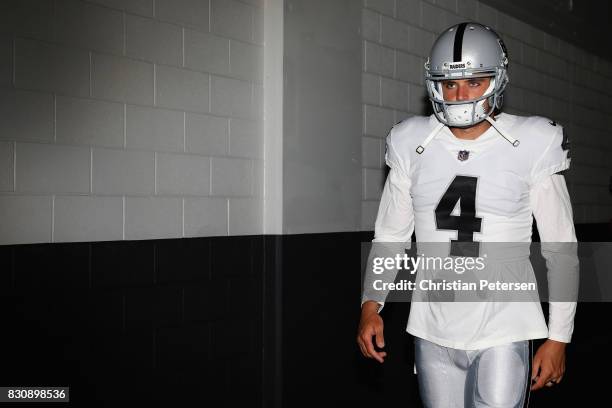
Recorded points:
(472,174)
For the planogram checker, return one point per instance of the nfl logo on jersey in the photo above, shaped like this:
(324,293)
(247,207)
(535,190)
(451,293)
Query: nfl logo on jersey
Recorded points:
(463,155)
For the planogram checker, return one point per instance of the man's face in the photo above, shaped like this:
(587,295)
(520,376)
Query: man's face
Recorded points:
(464,89)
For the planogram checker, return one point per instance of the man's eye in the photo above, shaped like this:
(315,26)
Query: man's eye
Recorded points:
(450,85)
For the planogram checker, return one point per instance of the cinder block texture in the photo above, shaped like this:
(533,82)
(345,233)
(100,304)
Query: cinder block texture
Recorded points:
(153,217)
(87,218)
(205,216)
(122,79)
(26,115)
(154,128)
(153,41)
(49,67)
(232,19)
(180,174)
(231,96)
(123,171)
(25,219)
(231,177)
(182,89)
(106,99)
(89,122)
(49,168)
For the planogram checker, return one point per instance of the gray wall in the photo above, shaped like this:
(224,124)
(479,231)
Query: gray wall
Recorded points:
(322,116)
(130,119)
(548,77)
(143,119)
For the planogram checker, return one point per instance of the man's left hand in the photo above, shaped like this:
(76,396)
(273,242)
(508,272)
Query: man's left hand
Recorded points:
(548,364)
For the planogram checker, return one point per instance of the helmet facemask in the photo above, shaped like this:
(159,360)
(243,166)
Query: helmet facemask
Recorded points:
(471,112)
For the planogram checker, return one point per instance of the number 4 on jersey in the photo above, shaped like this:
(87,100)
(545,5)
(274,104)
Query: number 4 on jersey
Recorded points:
(462,189)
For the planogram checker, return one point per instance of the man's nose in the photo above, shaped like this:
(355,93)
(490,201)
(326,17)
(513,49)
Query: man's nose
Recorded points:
(462,92)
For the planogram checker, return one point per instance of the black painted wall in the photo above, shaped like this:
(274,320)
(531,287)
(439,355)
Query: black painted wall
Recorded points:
(136,322)
(234,321)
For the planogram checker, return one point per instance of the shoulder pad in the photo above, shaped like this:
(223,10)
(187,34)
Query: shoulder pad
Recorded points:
(403,120)
(543,128)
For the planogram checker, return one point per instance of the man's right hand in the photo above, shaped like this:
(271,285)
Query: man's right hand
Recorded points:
(371,324)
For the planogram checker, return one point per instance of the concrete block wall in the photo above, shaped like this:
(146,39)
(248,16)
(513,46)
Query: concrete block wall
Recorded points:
(133,119)
(548,77)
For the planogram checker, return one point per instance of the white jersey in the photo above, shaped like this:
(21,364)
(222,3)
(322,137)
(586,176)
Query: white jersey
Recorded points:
(482,190)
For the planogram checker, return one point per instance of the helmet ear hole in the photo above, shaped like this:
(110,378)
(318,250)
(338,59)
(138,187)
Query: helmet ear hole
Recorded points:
(499,101)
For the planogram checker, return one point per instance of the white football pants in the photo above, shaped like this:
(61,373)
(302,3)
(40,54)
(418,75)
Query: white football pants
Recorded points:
(492,377)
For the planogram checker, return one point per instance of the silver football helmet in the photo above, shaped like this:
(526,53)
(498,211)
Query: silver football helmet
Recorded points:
(463,51)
